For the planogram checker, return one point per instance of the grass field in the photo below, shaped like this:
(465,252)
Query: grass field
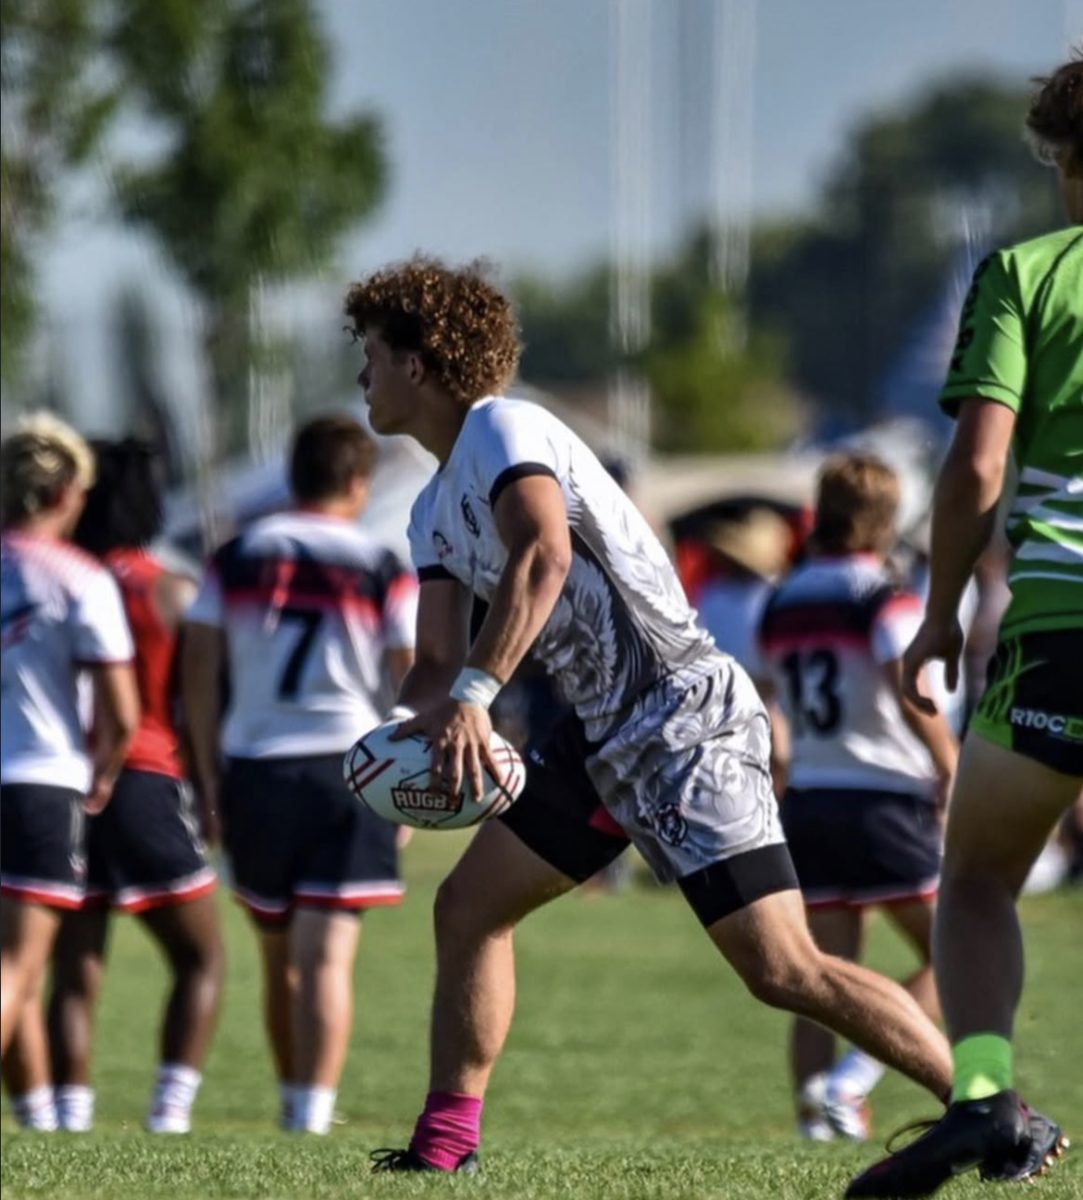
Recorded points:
(637,1067)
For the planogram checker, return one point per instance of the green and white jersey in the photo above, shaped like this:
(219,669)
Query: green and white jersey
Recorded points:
(1021,344)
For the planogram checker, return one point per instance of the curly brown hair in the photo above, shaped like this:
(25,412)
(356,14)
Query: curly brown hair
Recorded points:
(459,322)
(1055,119)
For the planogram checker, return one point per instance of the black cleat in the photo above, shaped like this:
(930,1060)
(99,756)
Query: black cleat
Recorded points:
(406,1160)
(1047,1144)
(999,1136)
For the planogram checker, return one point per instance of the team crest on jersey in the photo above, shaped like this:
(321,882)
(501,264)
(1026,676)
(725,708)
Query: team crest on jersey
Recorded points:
(414,797)
(672,827)
(443,546)
(469,517)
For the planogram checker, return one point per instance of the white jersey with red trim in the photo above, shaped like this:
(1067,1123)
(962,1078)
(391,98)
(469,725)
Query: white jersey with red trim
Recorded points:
(309,604)
(61,611)
(826,634)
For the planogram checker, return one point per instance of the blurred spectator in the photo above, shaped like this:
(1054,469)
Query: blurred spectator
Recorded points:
(751,552)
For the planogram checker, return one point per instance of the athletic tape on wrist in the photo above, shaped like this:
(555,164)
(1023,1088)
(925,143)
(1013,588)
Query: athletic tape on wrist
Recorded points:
(472,686)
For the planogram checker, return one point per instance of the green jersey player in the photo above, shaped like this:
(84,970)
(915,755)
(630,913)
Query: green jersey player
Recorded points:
(1015,384)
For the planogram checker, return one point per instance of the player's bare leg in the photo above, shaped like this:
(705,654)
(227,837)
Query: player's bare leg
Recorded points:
(27,932)
(769,945)
(837,931)
(279,992)
(1003,810)
(191,940)
(78,970)
(914,920)
(322,948)
(27,1074)
(496,883)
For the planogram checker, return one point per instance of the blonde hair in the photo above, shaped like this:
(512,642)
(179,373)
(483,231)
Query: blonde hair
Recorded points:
(41,458)
(856,504)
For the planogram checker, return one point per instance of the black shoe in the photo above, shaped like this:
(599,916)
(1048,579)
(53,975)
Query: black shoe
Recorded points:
(1047,1144)
(407,1160)
(993,1135)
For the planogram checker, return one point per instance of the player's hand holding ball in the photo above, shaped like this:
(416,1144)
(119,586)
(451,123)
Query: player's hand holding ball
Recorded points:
(444,768)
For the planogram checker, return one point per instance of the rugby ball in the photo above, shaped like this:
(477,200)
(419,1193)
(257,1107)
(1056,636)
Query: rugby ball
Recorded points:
(393,779)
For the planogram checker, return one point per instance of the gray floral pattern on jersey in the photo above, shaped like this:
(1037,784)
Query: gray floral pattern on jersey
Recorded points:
(622,623)
(689,779)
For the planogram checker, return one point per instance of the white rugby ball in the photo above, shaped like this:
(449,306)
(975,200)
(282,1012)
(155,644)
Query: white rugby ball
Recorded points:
(393,779)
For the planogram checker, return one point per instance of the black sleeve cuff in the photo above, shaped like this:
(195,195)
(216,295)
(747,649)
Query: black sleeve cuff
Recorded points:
(517,471)
(427,574)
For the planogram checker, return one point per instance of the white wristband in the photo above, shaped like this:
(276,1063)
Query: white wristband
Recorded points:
(472,686)
(401,712)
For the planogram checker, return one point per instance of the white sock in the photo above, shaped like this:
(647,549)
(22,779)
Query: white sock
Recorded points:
(174,1094)
(313,1108)
(856,1073)
(36,1109)
(74,1107)
(286,1102)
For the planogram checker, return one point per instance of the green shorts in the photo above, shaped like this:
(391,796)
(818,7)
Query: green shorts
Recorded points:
(1033,700)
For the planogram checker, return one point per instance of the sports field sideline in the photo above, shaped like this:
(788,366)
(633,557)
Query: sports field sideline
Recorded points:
(636,1067)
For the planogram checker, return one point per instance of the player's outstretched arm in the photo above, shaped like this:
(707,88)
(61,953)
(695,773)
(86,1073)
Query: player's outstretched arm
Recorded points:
(964,514)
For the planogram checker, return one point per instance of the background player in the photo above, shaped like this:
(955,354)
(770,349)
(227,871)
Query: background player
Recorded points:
(869,770)
(310,624)
(144,852)
(1015,383)
(668,744)
(61,617)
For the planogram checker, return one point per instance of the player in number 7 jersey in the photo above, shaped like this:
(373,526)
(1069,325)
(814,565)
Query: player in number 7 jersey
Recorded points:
(1015,383)
(312,623)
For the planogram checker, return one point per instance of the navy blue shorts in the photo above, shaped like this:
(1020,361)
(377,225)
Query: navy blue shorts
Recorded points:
(296,836)
(42,844)
(856,847)
(144,849)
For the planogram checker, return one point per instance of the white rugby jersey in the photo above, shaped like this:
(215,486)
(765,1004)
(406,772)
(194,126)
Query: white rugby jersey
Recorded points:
(622,622)
(826,633)
(61,611)
(308,603)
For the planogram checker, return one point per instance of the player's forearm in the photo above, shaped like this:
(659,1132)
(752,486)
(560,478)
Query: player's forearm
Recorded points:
(964,515)
(116,718)
(936,736)
(522,603)
(427,683)
(200,701)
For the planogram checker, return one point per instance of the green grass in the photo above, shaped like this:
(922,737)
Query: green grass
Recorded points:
(637,1067)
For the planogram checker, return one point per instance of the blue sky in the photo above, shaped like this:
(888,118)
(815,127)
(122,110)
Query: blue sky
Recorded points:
(497,115)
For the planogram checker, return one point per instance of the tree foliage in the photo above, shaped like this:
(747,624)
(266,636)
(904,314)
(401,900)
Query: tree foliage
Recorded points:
(56,107)
(911,187)
(257,184)
(714,387)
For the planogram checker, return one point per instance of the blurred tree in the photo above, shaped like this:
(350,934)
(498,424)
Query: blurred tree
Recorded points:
(714,388)
(566,329)
(56,106)
(257,184)
(915,188)
(145,408)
